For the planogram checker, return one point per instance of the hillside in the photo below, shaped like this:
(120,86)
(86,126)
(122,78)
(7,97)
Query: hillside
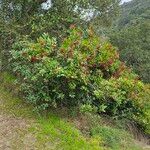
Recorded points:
(22,128)
(64,85)
(135,10)
(131,34)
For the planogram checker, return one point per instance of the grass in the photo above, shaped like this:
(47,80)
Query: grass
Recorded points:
(51,131)
(63,135)
(48,129)
(115,139)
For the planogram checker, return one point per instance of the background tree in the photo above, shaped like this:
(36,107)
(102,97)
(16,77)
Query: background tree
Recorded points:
(26,18)
(131,34)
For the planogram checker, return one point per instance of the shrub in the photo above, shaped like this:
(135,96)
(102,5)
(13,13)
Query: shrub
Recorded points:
(83,71)
(144,98)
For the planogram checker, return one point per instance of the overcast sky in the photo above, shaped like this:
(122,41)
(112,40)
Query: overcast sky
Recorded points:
(125,1)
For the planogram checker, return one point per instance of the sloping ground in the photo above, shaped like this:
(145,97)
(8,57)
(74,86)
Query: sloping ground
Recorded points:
(20,129)
(11,130)
(23,129)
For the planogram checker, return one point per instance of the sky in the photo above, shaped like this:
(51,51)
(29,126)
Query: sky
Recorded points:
(46,5)
(125,1)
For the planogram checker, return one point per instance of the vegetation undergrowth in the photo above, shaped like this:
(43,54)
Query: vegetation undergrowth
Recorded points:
(55,132)
(115,139)
(59,69)
(48,128)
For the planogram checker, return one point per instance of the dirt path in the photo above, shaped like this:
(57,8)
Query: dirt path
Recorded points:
(14,134)
(11,131)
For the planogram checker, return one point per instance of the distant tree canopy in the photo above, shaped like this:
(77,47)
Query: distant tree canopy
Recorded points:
(131,34)
(61,13)
(26,18)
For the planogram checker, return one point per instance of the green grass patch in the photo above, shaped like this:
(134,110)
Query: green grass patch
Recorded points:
(50,131)
(63,135)
(115,139)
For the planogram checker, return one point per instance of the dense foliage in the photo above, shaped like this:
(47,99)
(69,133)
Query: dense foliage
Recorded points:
(131,34)
(19,18)
(83,71)
(58,67)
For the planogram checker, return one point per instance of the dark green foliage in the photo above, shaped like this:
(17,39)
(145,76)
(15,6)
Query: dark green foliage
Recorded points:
(26,18)
(131,34)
